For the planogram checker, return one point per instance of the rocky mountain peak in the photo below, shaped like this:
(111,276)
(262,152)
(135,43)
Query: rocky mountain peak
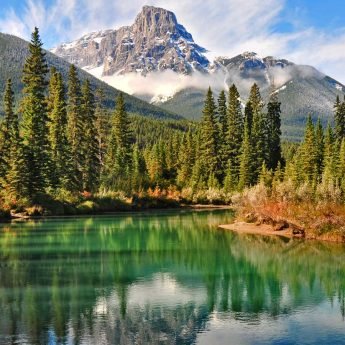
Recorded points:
(155,42)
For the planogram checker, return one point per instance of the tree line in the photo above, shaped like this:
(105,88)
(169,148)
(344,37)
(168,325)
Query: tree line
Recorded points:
(62,138)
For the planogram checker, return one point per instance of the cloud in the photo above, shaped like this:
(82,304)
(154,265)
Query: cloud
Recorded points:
(223,27)
(133,83)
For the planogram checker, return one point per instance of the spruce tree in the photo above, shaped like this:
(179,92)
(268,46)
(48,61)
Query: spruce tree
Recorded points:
(75,128)
(139,172)
(35,131)
(7,131)
(259,132)
(273,132)
(341,166)
(209,139)
(330,159)
(246,160)
(234,135)
(319,148)
(118,156)
(59,146)
(308,153)
(15,178)
(90,160)
(222,132)
(102,125)
(185,159)
(222,113)
(339,118)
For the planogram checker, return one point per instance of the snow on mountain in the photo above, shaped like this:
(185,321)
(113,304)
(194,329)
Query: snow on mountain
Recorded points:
(155,42)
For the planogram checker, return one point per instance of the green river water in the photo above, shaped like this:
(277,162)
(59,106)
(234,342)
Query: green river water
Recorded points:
(170,277)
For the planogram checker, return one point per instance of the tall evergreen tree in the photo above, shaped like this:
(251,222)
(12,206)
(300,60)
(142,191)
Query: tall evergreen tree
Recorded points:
(222,133)
(330,159)
(319,148)
(246,160)
(7,131)
(209,139)
(186,159)
(259,132)
(35,131)
(118,156)
(102,125)
(59,146)
(308,153)
(222,113)
(273,132)
(75,128)
(235,133)
(90,159)
(339,118)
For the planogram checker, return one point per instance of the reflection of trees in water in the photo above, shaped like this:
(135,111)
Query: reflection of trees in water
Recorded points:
(53,273)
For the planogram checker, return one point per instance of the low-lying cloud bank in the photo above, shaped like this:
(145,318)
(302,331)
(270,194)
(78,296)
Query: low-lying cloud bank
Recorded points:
(160,86)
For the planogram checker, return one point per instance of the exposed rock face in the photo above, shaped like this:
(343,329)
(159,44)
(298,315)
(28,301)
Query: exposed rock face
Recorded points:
(155,42)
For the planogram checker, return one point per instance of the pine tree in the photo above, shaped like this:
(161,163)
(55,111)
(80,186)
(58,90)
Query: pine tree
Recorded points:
(90,160)
(14,173)
(341,166)
(7,131)
(75,128)
(222,113)
(308,153)
(248,115)
(330,163)
(35,131)
(102,126)
(186,159)
(259,132)
(209,139)
(139,172)
(319,148)
(235,133)
(339,118)
(273,132)
(246,161)
(59,146)
(118,156)
(222,132)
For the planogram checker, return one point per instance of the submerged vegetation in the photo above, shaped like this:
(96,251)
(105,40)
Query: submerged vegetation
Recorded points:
(62,152)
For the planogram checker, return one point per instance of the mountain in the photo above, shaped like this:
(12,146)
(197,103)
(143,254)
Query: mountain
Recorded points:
(12,57)
(158,52)
(155,42)
(301,89)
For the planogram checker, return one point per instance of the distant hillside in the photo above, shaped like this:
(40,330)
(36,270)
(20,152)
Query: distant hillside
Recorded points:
(13,52)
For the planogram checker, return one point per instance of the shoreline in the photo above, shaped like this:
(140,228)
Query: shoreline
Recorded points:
(269,230)
(197,207)
(257,229)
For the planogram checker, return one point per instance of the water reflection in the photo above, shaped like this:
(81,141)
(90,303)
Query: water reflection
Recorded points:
(165,279)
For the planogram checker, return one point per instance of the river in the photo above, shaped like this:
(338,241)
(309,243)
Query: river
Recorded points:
(168,277)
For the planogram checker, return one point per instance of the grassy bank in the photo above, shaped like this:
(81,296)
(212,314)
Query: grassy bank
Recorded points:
(64,203)
(302,212)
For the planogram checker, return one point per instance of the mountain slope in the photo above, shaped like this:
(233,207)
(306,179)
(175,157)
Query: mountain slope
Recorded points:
(177,72)
(13,52)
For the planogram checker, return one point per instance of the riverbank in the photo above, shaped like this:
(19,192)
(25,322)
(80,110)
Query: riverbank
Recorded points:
(108,207)
(251,228)
(260,212)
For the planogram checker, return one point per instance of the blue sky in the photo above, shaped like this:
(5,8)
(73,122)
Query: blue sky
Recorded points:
(304,31)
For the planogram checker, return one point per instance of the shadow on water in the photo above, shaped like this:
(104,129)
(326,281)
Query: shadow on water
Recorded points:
(154,278)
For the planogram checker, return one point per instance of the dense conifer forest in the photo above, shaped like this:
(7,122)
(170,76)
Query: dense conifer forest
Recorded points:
(63,151)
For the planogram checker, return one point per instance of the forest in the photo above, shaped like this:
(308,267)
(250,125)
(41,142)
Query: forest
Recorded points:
(63,152)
